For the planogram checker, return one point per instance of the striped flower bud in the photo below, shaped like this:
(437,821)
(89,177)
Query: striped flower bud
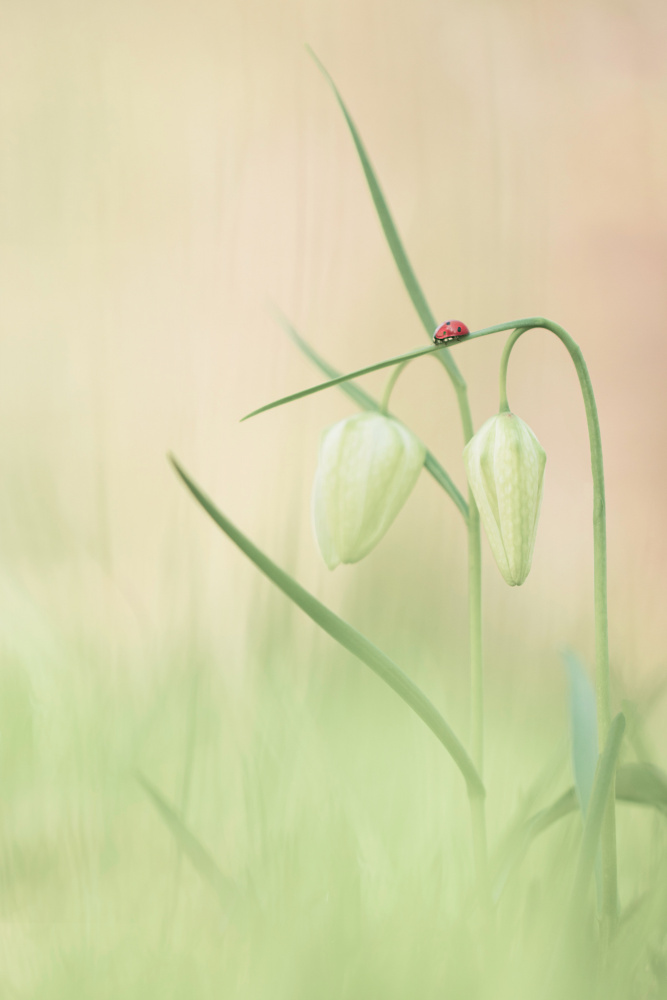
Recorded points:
(505,466)
(367,467)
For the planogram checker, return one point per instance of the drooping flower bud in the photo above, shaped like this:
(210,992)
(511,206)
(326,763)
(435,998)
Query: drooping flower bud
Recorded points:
(368,465)
(505,466)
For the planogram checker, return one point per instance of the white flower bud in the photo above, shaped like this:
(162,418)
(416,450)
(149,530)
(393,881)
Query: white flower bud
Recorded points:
(505,466)
(368,465)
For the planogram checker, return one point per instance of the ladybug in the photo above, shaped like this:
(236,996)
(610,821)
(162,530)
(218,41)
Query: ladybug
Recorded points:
(451,330)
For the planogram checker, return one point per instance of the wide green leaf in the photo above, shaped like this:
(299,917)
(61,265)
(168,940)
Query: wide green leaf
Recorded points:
(346,636)
(366,402)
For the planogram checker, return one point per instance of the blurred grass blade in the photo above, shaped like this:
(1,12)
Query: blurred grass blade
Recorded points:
(389,229)
(568,950)
(347,637)
(515,850)
(635,732)
(604,776)
(583,728)
(583,740)
(193,849)
(410,356)
(366,402)
(643,784)
(563,806)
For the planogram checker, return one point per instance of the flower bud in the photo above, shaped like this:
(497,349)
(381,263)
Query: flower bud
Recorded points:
(367,467)
(505,466)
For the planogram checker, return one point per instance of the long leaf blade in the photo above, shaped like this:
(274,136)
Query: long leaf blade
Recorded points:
(358,395)
(418,352)
(399,359)
(346,636)
(194,850)
(389,229)
(366,402)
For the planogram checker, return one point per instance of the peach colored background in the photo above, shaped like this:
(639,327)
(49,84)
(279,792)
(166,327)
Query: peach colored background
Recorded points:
(168,168)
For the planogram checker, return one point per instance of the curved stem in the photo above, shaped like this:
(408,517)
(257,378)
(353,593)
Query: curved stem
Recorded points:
(511,341)
(389,388)
(602,688)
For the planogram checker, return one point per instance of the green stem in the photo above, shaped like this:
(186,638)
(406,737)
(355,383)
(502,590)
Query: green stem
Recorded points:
(477,804)
(504,361)
(602,687)
(474,602)
(474,580)
(388,389)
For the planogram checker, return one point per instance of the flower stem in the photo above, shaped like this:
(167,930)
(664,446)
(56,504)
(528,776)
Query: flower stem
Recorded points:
(388,389)
(602,687)
(477,804)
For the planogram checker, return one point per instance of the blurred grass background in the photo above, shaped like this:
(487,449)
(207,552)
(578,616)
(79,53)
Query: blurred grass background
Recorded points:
(166,170)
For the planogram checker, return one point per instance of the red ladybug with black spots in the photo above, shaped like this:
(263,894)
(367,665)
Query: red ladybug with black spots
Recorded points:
(453,329)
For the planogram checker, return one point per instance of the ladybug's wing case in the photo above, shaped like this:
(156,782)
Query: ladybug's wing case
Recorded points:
(451,330)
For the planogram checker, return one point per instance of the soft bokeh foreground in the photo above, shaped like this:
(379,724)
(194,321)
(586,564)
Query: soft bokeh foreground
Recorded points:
(168,170)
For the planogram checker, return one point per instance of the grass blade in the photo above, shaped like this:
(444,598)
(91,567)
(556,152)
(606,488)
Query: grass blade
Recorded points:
(389,229)
(604,777)
(583,728)
(563,806)
(366,402)
(193,849)
(635,733)
(358,395)
(568,951)
(410,356)
(515,850)
(640,784)
(643,784)
(347,637)
(418,352)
